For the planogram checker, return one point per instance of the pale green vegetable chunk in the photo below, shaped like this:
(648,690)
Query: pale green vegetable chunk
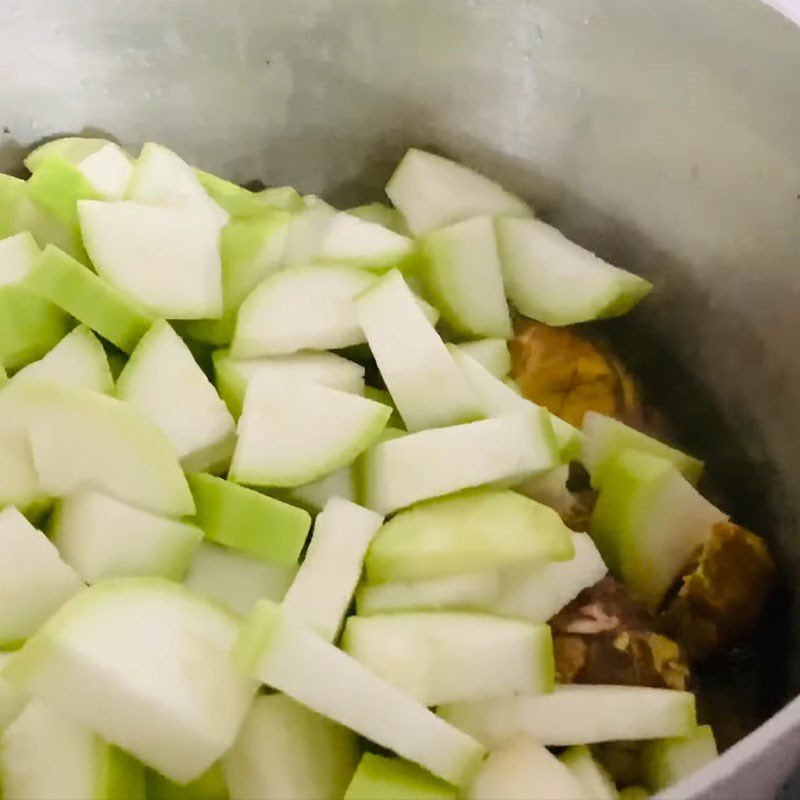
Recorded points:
(166,258)
(462,274)
(452,657)
(160,177)
(79,437)
(668,761)
(426,384)
(505,450)
(380,778)
(286,751)
(294,432)
(578,714)
(233,375)
(492,354)
(521,769)
(469,592)
(145,664)
(78,359)
(235,579)
(249,521)
(324,585)
(46,754)
(101,537)
(165,383)
(66,283)
(648,521)
(290,658)
(12,701)
(540,591)
(467,532)
(17,256)
(34,580)
(306,308)
(553,280)
(431,192)
(604,438)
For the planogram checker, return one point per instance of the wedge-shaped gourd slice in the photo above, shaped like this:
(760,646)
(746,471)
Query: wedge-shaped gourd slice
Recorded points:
(251,250)
(100,538)
(634,793)
(34,581)
(57,187)
(463,277)
(165,383)
(233,375)
(66,283)
(315,495)
(78,359)
(46,754)
(578,715)
(381,778)
(553,280)
(104,164)
(589,773)
(275,649)
(667,761)
(286,751)
(431,192)
(491,354)
(358,242)
(468,592)
(249,521)
(648,521)
(237,580)
(167,259)
(243,203)
(467,532)
(71,148)
(305,308)
(160,177)
(306,230)
(453,657)
(20,213)
(324,585)
(381,214)
(426,385)
(19,482)
(18,254)
(30,325)
(12,701)
(294,432)
(524,770)
(604,438)
(80,438)
(498,398)
(540,591)
(505,450)
(146,664)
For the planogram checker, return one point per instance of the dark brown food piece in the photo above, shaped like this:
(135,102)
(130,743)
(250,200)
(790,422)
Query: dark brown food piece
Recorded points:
(723,593)
(605,636)
(569,375)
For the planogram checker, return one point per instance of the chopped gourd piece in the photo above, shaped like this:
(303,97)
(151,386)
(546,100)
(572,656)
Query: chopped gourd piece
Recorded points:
(431,192)
(278,651)
(249,521)
(381,778)
(426,384)
(324,585)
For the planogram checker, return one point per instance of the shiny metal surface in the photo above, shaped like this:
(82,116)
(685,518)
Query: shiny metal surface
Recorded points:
(666,135)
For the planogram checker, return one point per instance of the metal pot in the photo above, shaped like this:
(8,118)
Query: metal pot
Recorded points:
(665,135)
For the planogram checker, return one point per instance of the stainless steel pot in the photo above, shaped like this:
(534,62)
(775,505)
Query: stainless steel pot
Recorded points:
(666,135)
